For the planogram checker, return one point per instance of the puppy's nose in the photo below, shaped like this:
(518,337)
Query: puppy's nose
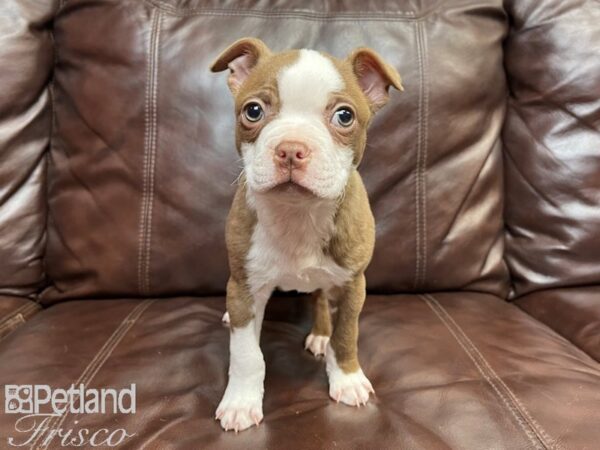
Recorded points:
(292,154)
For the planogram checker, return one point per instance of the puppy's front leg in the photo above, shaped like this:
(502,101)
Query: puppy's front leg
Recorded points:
(347,382)
(241,406)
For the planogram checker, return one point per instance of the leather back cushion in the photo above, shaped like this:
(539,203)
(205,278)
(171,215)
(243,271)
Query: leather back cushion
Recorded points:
(25,121)
(552,140)
(143,160)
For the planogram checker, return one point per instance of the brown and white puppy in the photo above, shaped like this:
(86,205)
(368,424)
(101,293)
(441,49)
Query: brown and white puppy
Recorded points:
(300,219)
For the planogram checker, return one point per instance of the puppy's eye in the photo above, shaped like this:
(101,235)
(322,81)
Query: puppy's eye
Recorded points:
(343,117)
(253,112)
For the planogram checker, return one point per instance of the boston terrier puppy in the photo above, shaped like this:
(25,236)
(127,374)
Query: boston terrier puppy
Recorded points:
(300,219)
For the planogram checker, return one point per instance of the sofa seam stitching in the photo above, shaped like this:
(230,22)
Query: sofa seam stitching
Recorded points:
(143,227)
(152,168)
(424,134)
(141,230)
(519,408)
(99,359)
(419,149)
(20,309)
(383,16)
(547,440)
(11,324)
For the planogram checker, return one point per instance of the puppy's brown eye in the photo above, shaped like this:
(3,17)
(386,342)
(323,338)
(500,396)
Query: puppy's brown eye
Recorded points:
(343,117)
(253,112)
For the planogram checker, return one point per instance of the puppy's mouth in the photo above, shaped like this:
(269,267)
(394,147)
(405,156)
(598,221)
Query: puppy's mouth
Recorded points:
(290,187)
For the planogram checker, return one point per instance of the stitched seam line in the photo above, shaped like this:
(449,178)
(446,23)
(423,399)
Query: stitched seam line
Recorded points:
(424,139)
(23,309)
(95,365)
(538,437)
(142,228)
(17,318)
(542,434)
(420,249)
(291,14)
(156,53)
(144,238)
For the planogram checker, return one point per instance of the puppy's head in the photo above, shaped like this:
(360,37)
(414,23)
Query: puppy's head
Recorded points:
(302,116)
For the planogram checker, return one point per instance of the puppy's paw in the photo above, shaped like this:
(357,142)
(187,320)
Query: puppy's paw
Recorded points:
(316,344)
(225,318)
(239,412)
(350,388)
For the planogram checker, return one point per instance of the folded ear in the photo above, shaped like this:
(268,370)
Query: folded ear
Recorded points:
(374,76)
(240,57)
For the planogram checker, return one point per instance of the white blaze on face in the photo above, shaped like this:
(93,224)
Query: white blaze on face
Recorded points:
(305,88)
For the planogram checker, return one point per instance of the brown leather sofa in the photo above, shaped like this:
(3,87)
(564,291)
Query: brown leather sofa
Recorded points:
(482,327)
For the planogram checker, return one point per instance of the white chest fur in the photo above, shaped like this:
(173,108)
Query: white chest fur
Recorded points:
(287,247)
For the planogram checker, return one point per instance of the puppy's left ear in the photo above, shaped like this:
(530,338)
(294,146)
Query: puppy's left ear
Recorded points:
(374,76)
(240,58)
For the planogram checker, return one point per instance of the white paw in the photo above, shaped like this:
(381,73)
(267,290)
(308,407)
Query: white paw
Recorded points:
(350,388)
(225,318)
(316,344)
(239,410)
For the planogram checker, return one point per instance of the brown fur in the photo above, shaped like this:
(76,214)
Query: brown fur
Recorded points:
(240,225)
(351,247)
(261,83)
(321,317)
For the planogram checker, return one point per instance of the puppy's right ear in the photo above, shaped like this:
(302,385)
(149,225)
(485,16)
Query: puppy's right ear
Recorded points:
(240,58)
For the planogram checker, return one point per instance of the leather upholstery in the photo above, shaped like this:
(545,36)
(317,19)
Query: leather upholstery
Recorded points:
(445,373)
(162,149)
(14,311)
(551,144)
(116,167)
(581,325)
(26,53)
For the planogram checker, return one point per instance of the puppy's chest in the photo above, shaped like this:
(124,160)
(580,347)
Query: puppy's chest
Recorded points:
(289,254)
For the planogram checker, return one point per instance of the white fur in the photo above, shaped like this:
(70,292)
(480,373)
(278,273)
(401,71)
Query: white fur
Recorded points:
(316,344)
(287,244)
(305,88)
(350,388)
(241,405)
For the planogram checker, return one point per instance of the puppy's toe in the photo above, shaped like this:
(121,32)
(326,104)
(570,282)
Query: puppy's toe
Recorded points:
(225,318)
(316,344)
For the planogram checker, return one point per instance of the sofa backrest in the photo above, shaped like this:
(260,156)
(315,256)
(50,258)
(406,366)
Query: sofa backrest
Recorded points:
(140,153)
(25,119)
(552,145)
(142,163)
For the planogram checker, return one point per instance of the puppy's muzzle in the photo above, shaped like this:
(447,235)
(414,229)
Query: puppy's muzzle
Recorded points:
(291,155)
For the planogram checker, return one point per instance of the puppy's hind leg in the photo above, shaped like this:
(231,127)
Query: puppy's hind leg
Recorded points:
(241,406)
(317,340)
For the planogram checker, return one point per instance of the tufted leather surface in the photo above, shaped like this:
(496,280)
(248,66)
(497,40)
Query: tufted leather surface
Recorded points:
(445,373)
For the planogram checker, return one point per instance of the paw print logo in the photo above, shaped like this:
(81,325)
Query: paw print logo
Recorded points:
(18,399)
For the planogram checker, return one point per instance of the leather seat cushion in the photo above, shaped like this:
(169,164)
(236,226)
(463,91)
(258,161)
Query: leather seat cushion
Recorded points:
(572,312)
(14,311)
(460,370)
